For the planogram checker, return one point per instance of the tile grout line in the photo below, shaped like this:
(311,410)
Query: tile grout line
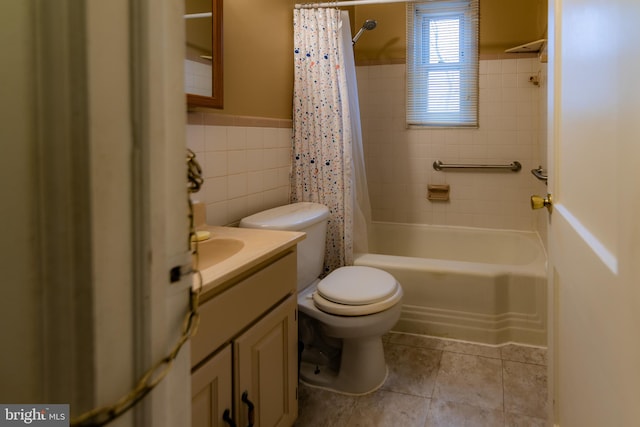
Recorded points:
(435,381)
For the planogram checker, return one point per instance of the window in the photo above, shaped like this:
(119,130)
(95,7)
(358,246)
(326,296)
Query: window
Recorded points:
(442,63)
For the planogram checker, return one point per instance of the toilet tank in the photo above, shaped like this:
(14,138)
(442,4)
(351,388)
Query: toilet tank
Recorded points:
(308,217)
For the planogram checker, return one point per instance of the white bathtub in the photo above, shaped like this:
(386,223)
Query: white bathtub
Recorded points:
(471,284)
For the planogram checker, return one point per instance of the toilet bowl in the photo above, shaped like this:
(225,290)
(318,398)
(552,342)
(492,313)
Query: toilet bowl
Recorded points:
(342,316)
(362,367)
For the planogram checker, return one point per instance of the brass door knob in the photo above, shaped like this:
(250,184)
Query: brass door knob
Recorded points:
(538,202)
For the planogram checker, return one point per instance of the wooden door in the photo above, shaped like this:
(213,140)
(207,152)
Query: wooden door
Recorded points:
(594,232)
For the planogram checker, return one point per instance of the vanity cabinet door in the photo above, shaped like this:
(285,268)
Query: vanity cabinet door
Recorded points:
(266,369)
(211,392)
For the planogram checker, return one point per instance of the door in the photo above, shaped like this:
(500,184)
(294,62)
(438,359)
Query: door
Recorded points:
(266,369)
(93,172)
(594,230)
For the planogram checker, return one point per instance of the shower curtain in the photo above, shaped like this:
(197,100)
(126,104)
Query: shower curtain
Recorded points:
(328,157)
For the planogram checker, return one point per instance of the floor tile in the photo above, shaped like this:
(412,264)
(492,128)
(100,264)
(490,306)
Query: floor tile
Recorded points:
(473,380)
(373,410)
(525,389)
(449,414)
(436,382)
(524,354)
(417,341)
(322,408)
(519,420)
(412,370)
(472,349)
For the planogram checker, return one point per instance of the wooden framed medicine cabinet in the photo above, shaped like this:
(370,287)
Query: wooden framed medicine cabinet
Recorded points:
(204,53)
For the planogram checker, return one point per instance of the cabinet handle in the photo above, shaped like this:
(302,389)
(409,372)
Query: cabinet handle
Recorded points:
(228,419)
(251,412)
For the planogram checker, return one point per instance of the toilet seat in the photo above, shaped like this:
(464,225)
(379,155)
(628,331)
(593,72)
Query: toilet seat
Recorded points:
(357,291)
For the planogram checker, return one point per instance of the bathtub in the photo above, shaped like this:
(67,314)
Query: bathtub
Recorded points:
(471,284)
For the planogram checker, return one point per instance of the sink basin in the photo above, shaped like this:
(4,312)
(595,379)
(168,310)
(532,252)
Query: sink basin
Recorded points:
(213,251)
(231,251)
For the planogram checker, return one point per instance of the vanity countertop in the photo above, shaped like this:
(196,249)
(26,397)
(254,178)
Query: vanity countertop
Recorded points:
(232,251)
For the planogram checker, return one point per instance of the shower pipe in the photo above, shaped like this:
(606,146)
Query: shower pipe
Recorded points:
(345,3)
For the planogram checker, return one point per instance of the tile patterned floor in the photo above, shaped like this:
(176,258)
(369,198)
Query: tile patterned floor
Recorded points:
(440,383)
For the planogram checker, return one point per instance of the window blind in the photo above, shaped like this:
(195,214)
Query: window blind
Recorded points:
(442,63)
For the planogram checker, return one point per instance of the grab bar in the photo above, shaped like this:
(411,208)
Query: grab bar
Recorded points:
(514,166)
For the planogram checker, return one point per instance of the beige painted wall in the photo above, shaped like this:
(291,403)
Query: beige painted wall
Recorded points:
(388,41)
(258,43)
(503,24)
(507,23)
(258,58)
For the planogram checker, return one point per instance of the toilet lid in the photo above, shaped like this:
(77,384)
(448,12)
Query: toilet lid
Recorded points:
(356,310)
(357,285)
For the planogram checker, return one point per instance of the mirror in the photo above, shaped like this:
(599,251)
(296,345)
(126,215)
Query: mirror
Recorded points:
(203,62)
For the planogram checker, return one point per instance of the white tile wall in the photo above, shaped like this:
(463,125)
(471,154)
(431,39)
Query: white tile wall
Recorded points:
(399,160)
(246,169)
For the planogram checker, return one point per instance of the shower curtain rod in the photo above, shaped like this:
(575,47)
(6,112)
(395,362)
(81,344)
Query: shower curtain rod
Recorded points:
(198,15)
(346,3)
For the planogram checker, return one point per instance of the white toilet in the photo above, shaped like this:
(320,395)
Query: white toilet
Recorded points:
(343,316)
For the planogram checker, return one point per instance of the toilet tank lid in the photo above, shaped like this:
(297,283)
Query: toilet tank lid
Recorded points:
(296,216)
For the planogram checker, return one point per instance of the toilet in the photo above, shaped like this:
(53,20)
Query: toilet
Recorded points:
(342,316)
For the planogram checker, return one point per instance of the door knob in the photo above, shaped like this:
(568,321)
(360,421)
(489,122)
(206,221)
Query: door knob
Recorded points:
(538,202)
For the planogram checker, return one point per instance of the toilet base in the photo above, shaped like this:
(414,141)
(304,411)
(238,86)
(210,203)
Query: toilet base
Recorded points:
(362,368)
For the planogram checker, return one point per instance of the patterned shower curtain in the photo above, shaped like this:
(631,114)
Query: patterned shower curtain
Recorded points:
(322,164)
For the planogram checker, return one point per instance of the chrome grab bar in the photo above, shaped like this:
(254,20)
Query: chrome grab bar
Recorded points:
(514,166)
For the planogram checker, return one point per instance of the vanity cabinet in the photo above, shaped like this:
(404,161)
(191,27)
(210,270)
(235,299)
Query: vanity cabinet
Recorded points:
(244,355)
(211,391)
